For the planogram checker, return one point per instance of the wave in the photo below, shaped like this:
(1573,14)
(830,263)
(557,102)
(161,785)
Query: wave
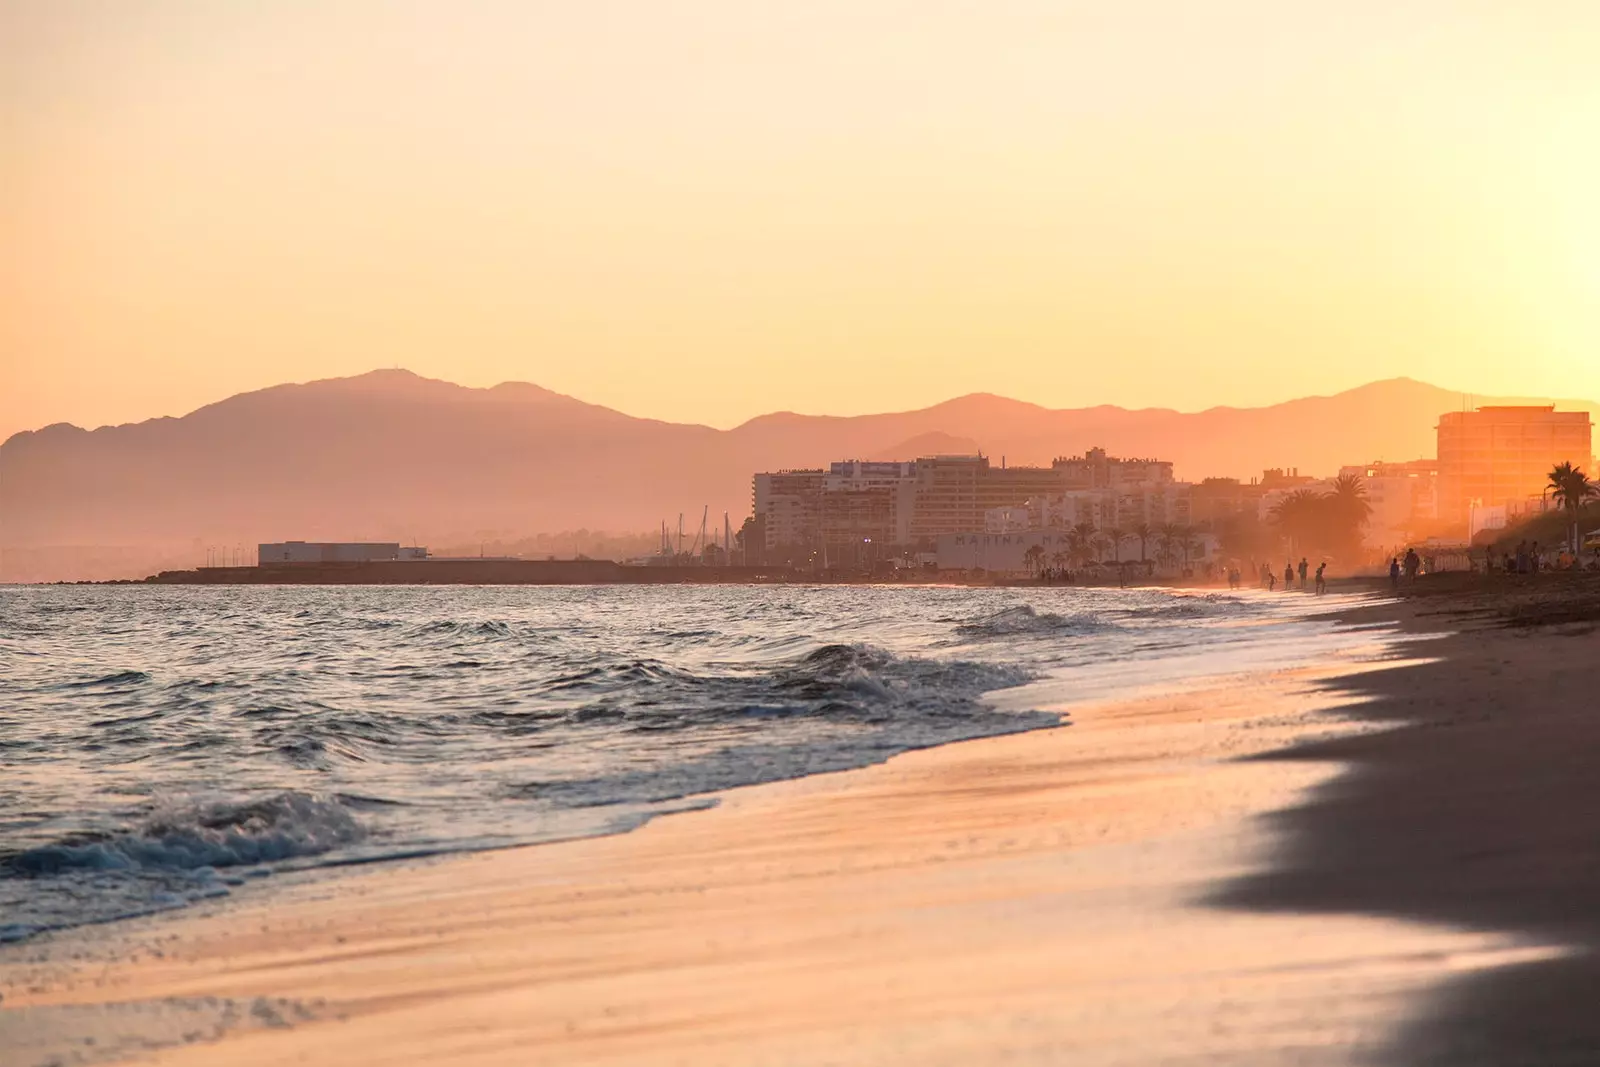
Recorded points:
(836,682)
(218,835)
(1023,621)
(1206,606)
(120,678)
(492,628)
(363,724)
(833,708)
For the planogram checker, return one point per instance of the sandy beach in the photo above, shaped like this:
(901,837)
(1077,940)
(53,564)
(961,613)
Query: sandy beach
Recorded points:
(1368,862)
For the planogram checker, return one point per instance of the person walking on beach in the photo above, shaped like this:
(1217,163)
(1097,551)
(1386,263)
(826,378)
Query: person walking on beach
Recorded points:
(1413,564)
(1304,566)
(1322,583)
(1288,576)
(1394,573)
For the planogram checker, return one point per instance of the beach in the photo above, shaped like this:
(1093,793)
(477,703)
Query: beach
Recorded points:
(1373,860)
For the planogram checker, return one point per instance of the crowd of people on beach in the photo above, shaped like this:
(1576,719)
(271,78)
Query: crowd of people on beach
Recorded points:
(1528,558)
(1318,581)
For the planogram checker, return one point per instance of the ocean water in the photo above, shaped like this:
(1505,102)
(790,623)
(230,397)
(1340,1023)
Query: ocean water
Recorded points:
(160,745)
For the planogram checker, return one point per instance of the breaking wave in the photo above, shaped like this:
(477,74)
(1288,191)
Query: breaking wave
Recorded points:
(217,835)
(177,746)
(171,860)
(1024,620)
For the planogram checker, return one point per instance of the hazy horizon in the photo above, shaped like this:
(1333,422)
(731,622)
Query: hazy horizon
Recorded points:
(720,210)
(1076,404)
(395,457)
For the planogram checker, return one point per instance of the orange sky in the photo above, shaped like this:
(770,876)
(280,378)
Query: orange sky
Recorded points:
(702,211)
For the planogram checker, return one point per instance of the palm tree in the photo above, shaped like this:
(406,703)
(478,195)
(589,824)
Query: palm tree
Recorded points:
(1144,533)
(1100,544)
(1349,510)
(1571,489)
(1175,540)
(1078,543)
(1350,497)
(1166,551)
(1116,537)
(1033,557)
(1296,517)
(1060,560)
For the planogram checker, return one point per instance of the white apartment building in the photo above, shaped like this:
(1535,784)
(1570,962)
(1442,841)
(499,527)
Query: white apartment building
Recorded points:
(787,501)
(1401,496)
(895,478)
(1152,504)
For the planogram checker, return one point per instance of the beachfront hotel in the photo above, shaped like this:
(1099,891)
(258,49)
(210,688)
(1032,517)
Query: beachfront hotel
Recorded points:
(833,513)
(1498,456)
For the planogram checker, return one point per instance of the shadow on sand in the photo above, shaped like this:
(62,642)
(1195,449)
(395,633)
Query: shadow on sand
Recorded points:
(1482,811)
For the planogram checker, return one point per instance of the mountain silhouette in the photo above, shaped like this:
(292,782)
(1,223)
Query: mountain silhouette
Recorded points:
(390,455)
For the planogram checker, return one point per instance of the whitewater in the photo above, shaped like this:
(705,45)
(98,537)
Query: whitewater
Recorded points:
(163,745)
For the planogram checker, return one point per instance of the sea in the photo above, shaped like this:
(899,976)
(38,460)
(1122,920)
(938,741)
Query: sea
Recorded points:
(162,745)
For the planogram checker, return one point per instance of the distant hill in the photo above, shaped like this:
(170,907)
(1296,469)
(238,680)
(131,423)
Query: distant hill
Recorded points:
(395,456)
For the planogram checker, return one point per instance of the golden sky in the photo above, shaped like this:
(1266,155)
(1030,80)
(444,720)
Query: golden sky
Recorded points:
(706,210)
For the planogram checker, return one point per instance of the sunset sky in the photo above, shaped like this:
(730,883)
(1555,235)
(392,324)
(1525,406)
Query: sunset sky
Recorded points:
(703,211)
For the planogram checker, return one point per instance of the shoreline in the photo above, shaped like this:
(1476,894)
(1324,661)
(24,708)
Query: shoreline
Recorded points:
(1476,804)
(1200,825)
(734,934)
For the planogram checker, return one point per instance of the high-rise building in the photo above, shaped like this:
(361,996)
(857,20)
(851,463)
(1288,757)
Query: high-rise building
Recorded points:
(787,504)
(946,495)
(1501,455)
(881,510)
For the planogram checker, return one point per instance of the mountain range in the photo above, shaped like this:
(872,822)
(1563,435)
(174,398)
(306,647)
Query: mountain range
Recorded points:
(390,455)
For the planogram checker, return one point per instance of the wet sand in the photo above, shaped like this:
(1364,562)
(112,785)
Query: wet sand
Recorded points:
(1482,811)
(1117,891)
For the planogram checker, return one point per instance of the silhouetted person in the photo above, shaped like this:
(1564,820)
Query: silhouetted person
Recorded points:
(1322,583)
(1303,568)
(1394,573)
(1288,576)
(1413,564)
(1272,581)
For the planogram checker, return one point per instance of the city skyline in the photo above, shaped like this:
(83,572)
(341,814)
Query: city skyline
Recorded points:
(393,457)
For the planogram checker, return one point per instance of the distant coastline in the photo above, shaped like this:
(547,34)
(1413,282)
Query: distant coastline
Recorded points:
(611,572)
